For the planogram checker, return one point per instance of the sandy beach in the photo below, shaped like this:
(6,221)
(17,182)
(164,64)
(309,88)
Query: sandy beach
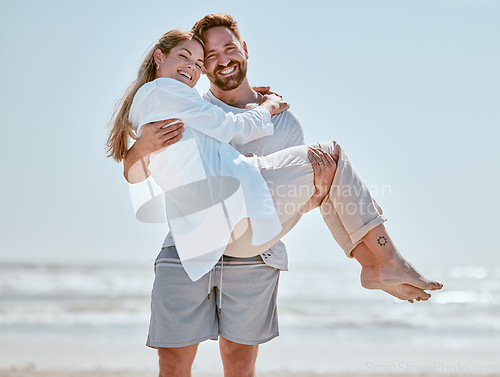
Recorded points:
(101,373)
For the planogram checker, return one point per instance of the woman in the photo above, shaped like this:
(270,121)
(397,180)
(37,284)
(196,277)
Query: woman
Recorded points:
(214,194)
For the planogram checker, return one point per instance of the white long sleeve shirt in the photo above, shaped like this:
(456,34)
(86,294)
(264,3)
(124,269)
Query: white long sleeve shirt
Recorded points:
(288,133)
(209,186)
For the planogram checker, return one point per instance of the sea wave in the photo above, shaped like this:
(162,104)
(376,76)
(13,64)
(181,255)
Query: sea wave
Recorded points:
(319,297)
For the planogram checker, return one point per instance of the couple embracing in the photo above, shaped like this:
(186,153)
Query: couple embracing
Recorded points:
(236,177)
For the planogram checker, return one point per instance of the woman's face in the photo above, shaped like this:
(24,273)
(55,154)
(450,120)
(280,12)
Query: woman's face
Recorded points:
(184,62)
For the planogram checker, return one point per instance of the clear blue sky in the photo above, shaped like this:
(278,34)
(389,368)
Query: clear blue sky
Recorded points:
(410,88)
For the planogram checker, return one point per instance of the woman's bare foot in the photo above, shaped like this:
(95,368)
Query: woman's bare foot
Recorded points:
(399,271)
(403,292)
(370,279)
(394,269)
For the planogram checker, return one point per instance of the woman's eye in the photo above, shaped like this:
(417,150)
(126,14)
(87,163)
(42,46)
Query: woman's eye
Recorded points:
(183,56)
(199,66)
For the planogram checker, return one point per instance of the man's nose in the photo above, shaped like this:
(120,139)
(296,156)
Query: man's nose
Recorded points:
(224,60)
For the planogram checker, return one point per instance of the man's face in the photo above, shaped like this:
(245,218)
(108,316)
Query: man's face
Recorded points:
(225,58)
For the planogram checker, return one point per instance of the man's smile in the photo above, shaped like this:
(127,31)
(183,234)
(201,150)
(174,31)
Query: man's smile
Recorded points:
(228,71)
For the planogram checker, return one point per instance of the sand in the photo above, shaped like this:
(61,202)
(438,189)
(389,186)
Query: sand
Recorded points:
(101,373)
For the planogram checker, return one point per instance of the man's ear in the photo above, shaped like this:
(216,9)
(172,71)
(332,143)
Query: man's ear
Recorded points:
(245,49)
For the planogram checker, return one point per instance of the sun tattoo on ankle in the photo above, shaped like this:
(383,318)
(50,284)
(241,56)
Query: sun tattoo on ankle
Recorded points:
(382,241)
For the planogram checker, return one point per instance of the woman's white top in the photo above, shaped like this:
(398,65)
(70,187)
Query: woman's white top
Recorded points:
(208,185)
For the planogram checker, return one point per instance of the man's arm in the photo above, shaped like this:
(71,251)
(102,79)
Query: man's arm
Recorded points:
(323,173)
(154,138)
(324,166)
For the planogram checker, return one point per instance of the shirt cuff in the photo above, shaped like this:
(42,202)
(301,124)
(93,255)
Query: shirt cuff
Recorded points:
(266,120)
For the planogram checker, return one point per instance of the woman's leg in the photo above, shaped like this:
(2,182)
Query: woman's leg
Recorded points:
(349,210)
(290,178)
(370,277)
(354,217)
(394,269)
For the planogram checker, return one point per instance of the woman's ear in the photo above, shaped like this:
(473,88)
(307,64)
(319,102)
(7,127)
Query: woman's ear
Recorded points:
(158,56)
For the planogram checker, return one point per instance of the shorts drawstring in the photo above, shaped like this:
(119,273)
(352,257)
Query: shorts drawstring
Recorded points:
(220,285)
(209,285)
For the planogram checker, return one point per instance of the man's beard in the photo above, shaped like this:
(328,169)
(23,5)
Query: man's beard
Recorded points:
(231,82)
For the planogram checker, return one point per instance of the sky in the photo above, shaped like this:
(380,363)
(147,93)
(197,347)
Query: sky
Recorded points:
(409,88)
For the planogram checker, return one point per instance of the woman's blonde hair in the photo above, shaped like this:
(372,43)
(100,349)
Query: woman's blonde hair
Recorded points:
(121,128)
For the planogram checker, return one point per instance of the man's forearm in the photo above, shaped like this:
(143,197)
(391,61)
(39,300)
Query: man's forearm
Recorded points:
(135,165)
(324,166)
(313,202)
(154,138)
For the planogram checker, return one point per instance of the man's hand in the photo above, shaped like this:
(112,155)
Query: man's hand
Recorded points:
(154,137)
(324,166)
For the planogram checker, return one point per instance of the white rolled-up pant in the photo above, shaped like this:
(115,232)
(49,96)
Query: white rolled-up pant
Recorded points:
(348,210)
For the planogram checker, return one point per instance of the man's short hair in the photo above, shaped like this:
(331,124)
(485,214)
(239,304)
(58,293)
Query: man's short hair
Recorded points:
(215,20)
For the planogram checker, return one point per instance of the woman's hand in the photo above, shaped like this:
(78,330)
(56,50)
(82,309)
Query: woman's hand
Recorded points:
(324,166)
(265,90)
(274,104)
(154,137)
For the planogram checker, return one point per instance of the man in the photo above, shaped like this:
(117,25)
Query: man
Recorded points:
(235,302)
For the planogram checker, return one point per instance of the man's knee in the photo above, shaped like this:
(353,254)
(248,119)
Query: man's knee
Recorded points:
(176,362)
(238,359)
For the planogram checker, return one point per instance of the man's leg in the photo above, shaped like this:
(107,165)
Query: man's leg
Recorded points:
(238,359)
(177,362)
(183,314)
(246,293)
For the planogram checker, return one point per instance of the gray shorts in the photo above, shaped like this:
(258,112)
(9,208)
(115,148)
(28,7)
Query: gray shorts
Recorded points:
(236,300)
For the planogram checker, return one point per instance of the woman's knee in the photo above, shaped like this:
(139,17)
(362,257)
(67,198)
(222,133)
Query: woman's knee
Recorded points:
(336,151)
(331,147)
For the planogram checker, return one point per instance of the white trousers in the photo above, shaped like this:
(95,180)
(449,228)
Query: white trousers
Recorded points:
(349,210)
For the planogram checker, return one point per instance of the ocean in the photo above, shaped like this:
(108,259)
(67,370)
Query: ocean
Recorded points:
(91,316)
